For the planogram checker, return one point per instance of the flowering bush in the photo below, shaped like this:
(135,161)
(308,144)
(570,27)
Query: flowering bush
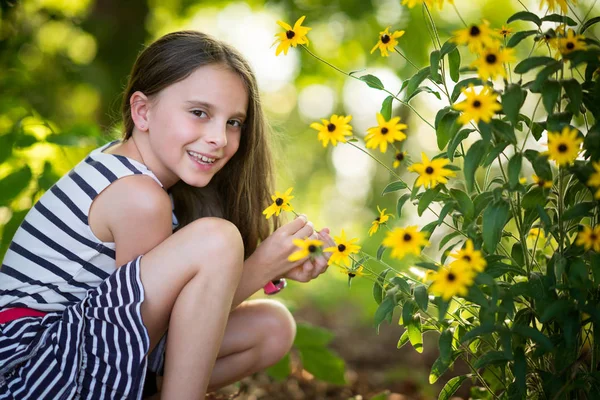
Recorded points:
(515,290)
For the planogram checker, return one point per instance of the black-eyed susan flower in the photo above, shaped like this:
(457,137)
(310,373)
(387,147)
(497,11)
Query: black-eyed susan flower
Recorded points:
(381,219)
(432,172)
(594,179)
(564,147)
(398,158)
(478,106)
(589,238)
(308,248)
(292,36)
(451,281)
(469,258)
(541,182)
(491,60)
(387,41)
(281,202)
(385,132)
(554,4)
(340,254)
(476,37)
(429,3)
(536,233)
(569,42)
(334,129)
(428,276)
(504,31)
(353,272)
(405,241)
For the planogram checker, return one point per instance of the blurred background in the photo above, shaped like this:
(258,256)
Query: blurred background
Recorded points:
(64,63)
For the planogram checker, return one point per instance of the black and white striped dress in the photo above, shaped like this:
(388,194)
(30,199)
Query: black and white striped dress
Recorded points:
(92,343)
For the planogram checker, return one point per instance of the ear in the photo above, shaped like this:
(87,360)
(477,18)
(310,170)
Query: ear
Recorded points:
(140,107)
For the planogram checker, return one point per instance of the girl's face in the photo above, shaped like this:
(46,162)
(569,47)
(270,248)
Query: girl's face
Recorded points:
(195,125)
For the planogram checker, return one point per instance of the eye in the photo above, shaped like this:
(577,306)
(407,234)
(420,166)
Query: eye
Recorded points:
(199,113)
(235,123)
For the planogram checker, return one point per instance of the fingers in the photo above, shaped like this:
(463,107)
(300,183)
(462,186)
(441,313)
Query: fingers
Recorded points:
(294,226)
(306,231)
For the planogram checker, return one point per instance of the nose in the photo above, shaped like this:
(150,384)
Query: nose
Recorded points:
(217,135)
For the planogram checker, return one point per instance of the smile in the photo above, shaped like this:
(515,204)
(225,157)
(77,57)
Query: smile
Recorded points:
(200,158)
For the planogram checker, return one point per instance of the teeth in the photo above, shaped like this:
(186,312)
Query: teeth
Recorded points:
(201,158)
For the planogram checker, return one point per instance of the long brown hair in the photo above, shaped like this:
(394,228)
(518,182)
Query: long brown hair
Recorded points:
(241,190)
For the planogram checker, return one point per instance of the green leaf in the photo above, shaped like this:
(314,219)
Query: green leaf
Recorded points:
(558,308)
(380,252)
(308,335)
(414,333)
(481,330)
(403,339)
(464,84)
(550,94)
(495,217)
(456,140)
(447,128)
(6,145)
(448,238)
(393,187)
(525,16)
(13,184)
(440,366)
(445,344)
(574,93)
(588,23)
(519,36)
(472,161)
(381,396)
(520,372)
(24,140)
(491,357)
(536,196)
(384,311)
(451,387)
(514,169)
(400,204)
(434,67)
(579,210)
(533,62)
(378,286)
(372,81)
(563,19)
(465,204)
(454,64)
(427,198)
(504,129)
(447,47)
(542,77)
(386,108)
(540,164)
(323,364)
(423,89)
(421,297)
(416,79)
(512,101)
(533,334)
(281,370)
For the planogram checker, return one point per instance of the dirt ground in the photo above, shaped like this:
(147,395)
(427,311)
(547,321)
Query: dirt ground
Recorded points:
(373,366)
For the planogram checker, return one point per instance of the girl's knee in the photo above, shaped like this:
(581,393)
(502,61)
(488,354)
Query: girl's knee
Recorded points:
(280,330)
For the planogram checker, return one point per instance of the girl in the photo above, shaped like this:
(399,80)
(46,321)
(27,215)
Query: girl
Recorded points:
(95,275)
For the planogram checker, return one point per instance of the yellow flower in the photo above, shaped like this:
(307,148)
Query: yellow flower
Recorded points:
(387,41)
(492,58)
(564,147)
(431,172)
(536,234)
(541,182)
(597,195)
(334,129)
(385,132)
(552,5)
(398,158)
(569,43)
(280,202)
(505,31)
(451,281)
(478,106)
(430,3)
(403,241)
(292,36)
(428,277)
(469,258)
(589,238)
(308,248)
(595,177)
(522,180)
(353,272)
(476,36)
(380,220)
(340,254)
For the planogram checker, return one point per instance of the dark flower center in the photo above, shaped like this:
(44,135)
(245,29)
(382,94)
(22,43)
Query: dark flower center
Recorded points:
(451,277)
(384,130)
(400,156)
(593,237)
(290,34)
(312,248)
(351,274)
(467,257)
(562,148)
(474,31)
(341,248)
(541,183)
(385,39)
(378,219)
(476,104)
(570,45)
(279,202)
(407,237)
(429,170)
(331,127)
(491,59)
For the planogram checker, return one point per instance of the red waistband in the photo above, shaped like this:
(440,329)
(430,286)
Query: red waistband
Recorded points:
(11,314)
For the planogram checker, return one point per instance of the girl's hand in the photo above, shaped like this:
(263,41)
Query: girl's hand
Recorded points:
(308,269)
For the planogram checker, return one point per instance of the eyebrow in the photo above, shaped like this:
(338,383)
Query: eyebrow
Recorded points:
(209,106)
